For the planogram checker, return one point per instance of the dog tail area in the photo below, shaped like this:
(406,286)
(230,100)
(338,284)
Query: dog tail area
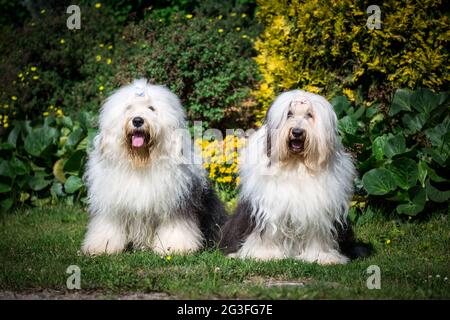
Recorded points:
(349,245)
(238,227)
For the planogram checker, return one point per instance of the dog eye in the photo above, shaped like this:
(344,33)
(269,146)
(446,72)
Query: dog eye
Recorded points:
(151,108)
(289,115)
(309,115)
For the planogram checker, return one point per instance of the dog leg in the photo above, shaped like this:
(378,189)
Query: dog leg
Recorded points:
(322,254)
(104,235)
(177,237)
(256,247)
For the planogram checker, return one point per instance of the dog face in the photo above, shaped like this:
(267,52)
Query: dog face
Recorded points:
(302,128)
(140,129)
(139,122)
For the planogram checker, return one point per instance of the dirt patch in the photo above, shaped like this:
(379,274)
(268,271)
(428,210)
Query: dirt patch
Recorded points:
(48,294)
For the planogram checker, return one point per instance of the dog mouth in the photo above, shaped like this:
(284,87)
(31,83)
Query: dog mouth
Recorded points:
(138,139)
(296,145)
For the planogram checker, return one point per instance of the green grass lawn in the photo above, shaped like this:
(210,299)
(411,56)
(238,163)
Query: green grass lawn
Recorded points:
(37,246)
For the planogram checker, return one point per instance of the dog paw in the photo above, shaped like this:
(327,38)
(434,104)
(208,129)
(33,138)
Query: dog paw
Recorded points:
(102,247)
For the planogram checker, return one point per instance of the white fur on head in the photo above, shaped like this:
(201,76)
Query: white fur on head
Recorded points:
(297,206)
(165,117)
(320,128)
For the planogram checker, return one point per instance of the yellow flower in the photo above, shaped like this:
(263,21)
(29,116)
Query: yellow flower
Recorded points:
(42,11)
(168,258)
(98,57)
(13,98)
(35,77)
(108,61)
(189,16)
(243,15)
(98,5)
(388,241)
(5,106)
(349,94)
(59,112)
(50,107)
(101,45)
(110,47)
(238,180)
(238,29)
(6,125)
(244,36)
(220,17)
(233,14)
(62,41)
(220,30)
(101,88)
(33,69)
(45,114)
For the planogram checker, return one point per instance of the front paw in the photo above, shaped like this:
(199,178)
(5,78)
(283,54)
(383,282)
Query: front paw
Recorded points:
(109,246)
(324,257)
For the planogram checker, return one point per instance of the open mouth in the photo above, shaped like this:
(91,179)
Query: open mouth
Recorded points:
(137,139)
(296,145)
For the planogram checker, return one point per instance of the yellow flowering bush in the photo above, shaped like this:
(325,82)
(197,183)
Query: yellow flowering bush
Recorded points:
(220,159)
(326,47)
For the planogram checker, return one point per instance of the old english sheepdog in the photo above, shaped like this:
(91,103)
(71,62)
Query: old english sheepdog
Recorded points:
(143,189)
(296,185)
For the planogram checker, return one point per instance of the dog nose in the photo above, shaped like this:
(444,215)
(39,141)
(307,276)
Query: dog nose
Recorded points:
(138,121)
(297,132)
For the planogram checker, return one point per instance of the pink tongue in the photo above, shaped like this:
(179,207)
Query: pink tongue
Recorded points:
(137,141)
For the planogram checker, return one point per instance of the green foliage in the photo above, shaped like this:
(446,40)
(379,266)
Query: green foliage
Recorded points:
(326,47)
(44,162)
(403,153)
(206,61)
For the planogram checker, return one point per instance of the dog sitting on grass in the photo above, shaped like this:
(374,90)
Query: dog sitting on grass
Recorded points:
(142,188)
(296,186)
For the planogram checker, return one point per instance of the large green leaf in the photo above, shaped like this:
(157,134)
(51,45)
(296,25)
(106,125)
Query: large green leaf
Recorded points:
(395,145)
(424,100)
(400,102)
(38,182)
(348,124)
(75,162)
(413,122)
(378,146)
(405,172)
(379,181)
(435,194)
(4,187)
(73,184)
(13,136)
(439,135)
(74,138)
(19,167)
(6,170)
(39,140)
(415,206)
(341,105)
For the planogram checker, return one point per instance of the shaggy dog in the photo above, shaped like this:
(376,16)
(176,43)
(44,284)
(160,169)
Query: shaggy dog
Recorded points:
(296,185)
(142,187)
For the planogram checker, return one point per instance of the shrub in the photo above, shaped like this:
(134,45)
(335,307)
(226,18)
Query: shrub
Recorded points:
(44,161)
(325,46)
(402,152)
(206,61)
(45,64)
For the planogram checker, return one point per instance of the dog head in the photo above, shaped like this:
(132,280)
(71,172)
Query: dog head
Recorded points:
(301,127)
(139,122)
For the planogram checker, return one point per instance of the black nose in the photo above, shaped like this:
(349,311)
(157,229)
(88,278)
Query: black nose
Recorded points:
(297,132)
(138,121)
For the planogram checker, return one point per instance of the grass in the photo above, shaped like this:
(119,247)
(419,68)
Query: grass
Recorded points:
(37,246)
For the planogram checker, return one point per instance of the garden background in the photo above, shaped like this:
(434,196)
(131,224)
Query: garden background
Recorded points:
(227,61)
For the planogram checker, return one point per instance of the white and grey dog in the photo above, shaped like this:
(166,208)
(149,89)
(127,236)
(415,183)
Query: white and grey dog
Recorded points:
(142,188)
(296,185)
